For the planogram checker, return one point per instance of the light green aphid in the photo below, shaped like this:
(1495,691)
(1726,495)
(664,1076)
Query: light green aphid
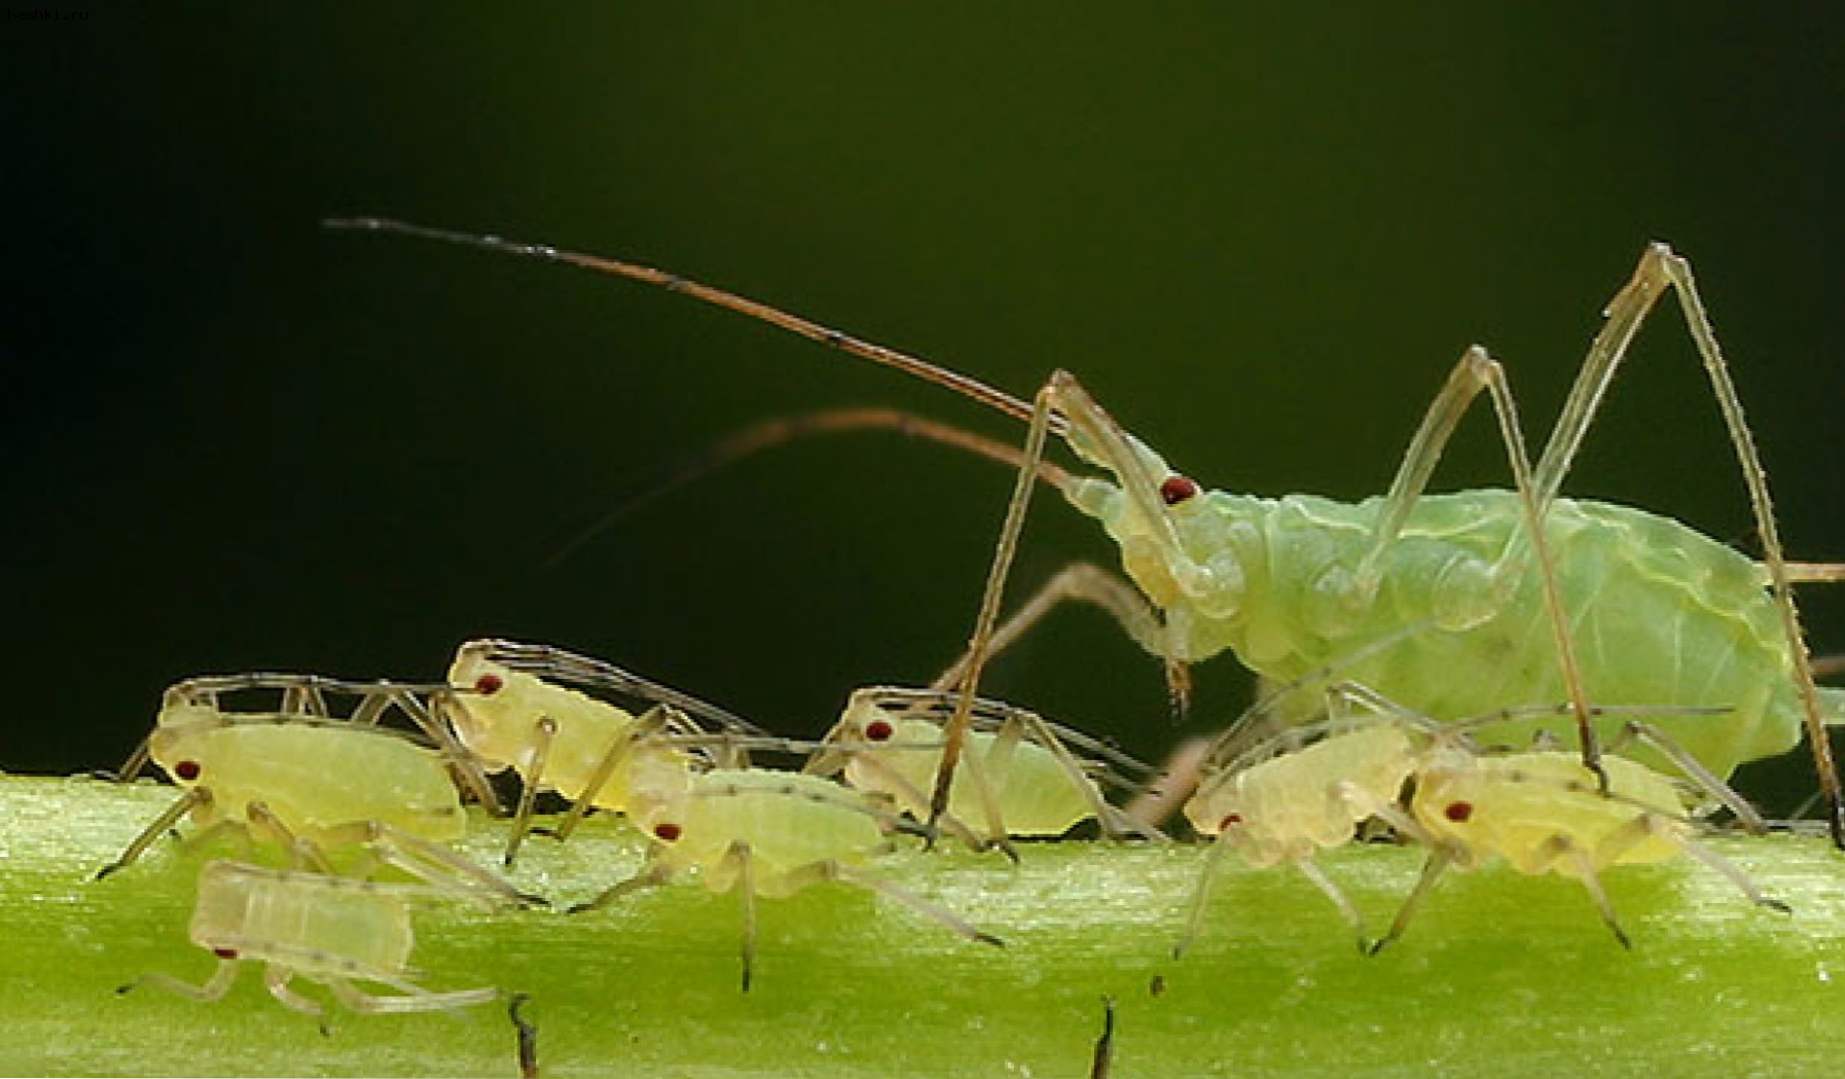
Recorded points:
(763,832)
(1531,596)
(327,929)
(1019,775)
(304,779)
(515,707)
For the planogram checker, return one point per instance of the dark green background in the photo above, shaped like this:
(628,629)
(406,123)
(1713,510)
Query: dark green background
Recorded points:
(234,441)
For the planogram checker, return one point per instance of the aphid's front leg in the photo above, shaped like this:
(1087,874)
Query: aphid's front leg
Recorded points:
(187,802)
(834,870)
(544,730)
(1440,858)
(214,988)
(1658,270)
(437,727)
(1309,869)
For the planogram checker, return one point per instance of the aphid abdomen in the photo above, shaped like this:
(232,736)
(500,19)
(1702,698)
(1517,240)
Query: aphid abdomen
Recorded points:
(315,925)
(787,820)
(1036,796)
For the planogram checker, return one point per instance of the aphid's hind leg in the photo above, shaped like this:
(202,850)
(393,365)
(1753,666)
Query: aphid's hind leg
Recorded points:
(739,853)
(544,730)
(305,853)
(460,761)
(833,870)
(197,796)
(214,988)
(1439,859)
(1477,371)
(1659,269)
(1201,895)
(429,862)
(419,1001)
(1694,770)
(276,979)
(645,726)
(1114,822)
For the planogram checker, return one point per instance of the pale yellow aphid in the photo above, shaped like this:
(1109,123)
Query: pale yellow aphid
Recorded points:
(306,780)
(770,833)
(517,708)
(1542,813)
(327,929)
(1019,776)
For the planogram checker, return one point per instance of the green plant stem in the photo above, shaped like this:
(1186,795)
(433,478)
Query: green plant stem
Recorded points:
(1501,974)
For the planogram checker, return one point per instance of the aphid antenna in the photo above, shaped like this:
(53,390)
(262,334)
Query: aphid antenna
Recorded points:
(865,350)
(546,661)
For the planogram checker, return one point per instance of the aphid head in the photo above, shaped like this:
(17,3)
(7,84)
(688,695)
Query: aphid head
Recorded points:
(484,709)
(181,752)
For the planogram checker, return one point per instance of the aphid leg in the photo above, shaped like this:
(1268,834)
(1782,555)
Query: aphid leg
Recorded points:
(1358,801)
(912,795)
(465,767)
(1703,777)
(833,870)
(420,1000)
(1201,895)
(1162,796)
(1559,847)
(196,797)
(1088,583)
(276,978)
(650,877)
(429,862)
(214,988)
(544,730)
(1440,857)
(136,761)
(528,1036)
(955,731)
(1477,371)
(1114,822)
(1720,864)
(645,726)
(1309,869)
(1659,269)
(304,852)
(739,853)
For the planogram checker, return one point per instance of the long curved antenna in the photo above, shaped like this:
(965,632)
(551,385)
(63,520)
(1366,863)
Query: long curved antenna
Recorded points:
(781,430)
(730,301)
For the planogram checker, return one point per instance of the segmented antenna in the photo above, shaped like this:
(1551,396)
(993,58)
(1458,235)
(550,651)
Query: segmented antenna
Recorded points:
(730,301)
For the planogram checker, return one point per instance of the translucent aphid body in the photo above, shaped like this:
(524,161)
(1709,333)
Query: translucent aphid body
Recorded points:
(517,707)
(1543,812)
(1020,775)
(327,929)
(763,832)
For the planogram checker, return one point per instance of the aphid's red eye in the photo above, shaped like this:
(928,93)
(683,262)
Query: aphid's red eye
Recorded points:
(1177,489)
(489,684)
(187,770)
(1458,812)
(878,730)
(1230,820)
(225,953)
(666,830)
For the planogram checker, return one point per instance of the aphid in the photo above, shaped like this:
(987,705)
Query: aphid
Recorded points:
(1543,813)
(770,833)
(1661,613)
(1018,776)
(1309,789)
(305,780)
(518,710)
(327,929)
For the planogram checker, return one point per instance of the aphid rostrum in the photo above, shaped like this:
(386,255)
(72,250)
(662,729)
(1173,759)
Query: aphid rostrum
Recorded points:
(764,832)
(329,929)
(1549,598)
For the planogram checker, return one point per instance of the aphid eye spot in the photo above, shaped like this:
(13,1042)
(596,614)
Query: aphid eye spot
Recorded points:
(489,684)
(225,953)
(1177,489)
(187,770)
(1458,812)
(666,830)
(1230,820)
(878,730)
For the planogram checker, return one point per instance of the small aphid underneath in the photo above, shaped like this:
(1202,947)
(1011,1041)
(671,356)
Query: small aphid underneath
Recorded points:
(331,930)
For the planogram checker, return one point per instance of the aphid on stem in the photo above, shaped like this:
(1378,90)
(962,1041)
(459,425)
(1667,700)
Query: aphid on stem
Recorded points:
(1557,598)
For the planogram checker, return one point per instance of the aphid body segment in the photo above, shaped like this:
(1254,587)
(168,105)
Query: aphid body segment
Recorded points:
(1019,777)
(764,832)
(327,929)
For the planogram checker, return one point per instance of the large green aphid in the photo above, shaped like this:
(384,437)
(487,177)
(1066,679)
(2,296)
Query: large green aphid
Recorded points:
(1528,597)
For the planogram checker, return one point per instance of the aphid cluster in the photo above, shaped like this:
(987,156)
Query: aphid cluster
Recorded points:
(1420,642)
